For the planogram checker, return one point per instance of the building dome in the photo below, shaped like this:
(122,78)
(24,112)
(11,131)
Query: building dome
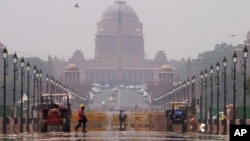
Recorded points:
(166,68)
(127,13)
(72,67)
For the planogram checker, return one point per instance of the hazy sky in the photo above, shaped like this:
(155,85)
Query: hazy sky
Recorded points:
(181,28)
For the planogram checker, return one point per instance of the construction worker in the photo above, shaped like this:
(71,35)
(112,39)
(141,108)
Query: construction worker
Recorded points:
(82,119)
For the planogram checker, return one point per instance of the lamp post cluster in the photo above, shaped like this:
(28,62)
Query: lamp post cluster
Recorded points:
(35,97)
(211,79)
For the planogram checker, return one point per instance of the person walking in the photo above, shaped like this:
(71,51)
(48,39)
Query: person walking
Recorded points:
(82,119)
(122,119)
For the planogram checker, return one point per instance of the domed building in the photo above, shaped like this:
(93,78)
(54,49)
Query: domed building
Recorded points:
(119,34)
(119,51)
(166,75)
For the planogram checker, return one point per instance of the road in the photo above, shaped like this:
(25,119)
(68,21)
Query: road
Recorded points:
(125,98)
(113,136)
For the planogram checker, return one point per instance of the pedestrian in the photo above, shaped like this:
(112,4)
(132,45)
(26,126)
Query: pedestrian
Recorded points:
(122,119)
(82,119)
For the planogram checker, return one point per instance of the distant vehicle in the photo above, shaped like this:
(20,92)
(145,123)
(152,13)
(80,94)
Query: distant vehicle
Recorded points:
(122,86)
(107,86)
(56,113)
(177,114)
(145,94)
(115,89)
(140,91)
(96,90)
(131,87)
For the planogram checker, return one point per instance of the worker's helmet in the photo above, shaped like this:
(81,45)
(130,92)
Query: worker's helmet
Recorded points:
(82,106)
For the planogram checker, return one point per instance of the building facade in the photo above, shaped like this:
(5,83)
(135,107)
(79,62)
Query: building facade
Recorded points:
(119,51)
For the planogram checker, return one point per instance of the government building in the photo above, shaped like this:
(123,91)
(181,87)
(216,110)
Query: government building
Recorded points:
(119,53)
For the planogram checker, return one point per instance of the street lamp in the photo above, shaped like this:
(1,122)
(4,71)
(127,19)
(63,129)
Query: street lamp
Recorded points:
(28,96)
(224,62)
(51,89)
(184,91)
(201,96)
(22,74)
(38,76)
(39,93)
(179,92)
(38,87)
(205,88)
(14,74)
(34,91)
(193,94)
(13,106)
(217,68)
(245,53)
(5,65)
(188,90)
(211,99)
(234,57)
(47,83)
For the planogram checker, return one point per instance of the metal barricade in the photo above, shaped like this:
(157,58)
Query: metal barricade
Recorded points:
(97,121)
(158,121)
(140,121)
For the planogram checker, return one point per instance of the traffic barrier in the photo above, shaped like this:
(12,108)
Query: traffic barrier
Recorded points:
(140,119)
(115,124)
(158,121)
(97,121)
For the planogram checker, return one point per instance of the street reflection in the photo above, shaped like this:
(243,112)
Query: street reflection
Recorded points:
(113,136)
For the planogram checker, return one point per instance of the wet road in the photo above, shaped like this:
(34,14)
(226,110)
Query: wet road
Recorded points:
(113,136)
(129,98)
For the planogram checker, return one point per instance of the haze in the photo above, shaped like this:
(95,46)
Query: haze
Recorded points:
(181,28)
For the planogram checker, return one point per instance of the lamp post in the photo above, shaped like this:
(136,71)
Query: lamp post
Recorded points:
(34,97)
(245,53)
(37,87)
(51,90)
(217,68)
(41,76)
(193,94)
(205,88)
(188,90)
(14,74)
(224,62)
(211,99)
(34,91)
(47,83)
(38,76)
(234,57)
(39,93)
(184,91)
(28,96)
(179,92)
(201,96)
(5,65)
(22,74)
(13,106)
